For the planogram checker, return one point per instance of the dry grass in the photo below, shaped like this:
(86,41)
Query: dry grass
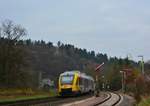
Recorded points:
(145,101)
(21,94)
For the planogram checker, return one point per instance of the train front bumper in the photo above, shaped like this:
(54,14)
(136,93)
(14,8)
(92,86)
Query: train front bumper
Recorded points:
(68,90)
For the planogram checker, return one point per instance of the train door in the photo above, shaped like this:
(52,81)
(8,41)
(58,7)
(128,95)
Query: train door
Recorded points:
(81,84)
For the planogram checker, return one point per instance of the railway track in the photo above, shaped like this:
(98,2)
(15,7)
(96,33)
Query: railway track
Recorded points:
(113,99)
(105,99)
(49,101)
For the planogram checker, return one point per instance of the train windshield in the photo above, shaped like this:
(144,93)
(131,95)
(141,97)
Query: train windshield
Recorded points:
(67,79)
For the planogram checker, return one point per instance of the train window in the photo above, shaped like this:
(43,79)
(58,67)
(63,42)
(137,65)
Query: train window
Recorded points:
(86,83)
(80,81)
(67,79)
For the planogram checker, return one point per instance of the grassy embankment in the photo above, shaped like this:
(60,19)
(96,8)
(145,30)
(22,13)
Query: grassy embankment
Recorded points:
(7,95)
(145,101)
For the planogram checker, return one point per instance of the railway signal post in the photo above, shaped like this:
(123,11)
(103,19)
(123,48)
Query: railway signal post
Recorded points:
(97,69)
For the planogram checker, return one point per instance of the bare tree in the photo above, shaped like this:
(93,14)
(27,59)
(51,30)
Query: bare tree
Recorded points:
(11,31)
(11,56)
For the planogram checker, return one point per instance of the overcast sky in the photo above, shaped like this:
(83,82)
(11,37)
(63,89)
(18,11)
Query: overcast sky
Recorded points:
(115,27)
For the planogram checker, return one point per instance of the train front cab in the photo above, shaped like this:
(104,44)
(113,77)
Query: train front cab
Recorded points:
(69,84)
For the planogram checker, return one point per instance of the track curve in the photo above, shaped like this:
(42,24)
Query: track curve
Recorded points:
(113,100)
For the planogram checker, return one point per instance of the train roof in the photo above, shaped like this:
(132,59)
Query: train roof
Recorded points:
(84,75)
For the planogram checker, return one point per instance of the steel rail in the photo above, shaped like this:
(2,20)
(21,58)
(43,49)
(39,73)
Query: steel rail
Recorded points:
(104,100)
(108,98)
